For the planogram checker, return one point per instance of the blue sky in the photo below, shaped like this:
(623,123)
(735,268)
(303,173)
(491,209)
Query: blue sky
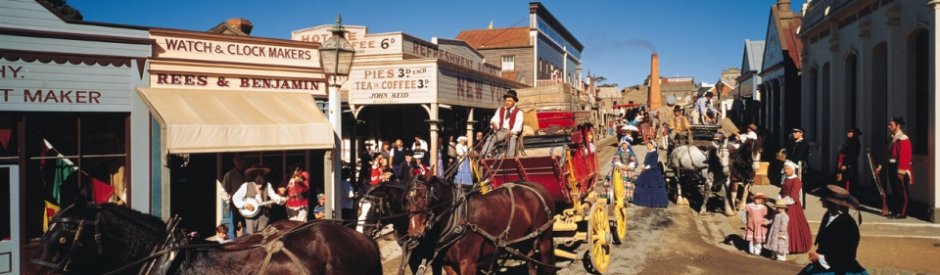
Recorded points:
(693,37)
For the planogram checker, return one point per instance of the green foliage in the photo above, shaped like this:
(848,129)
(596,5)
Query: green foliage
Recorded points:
(63,9)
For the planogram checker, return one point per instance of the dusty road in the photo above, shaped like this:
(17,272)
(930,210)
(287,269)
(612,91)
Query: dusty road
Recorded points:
(676,240)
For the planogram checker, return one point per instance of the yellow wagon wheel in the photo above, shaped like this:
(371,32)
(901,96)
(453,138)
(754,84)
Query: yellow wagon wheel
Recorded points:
(620,207)
(598,237)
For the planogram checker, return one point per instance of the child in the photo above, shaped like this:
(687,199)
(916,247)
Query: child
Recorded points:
(777,240)
(756,231)
(221,234)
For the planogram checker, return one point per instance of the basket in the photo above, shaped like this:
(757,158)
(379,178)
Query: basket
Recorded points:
(760,178)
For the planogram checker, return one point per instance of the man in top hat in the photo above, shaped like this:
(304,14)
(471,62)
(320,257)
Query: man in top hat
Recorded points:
(506,125)
(899,168)
(259,189)
(838,236)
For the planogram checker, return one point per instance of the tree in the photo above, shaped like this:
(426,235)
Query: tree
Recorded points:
(600,79)
(63,9)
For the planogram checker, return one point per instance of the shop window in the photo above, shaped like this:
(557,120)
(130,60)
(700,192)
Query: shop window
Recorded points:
(8,138)
(508,63)
(70,154)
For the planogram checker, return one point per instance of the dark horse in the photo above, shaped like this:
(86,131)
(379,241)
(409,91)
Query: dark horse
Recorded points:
(385,204)
(466,228)
(743,168)
(97,239)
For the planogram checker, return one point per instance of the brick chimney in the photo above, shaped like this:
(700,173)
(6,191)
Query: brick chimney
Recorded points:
(653,97)
(783,5)
(234,26)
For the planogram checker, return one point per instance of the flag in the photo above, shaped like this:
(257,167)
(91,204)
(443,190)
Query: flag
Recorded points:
(49,211)
(63,169)
(101,190)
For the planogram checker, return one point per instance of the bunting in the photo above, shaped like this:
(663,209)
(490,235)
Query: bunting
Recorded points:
(48,212)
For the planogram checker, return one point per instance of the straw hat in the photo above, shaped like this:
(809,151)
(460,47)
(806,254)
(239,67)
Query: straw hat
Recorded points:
(251,172)
(781,204)
(760,195)
(839,196)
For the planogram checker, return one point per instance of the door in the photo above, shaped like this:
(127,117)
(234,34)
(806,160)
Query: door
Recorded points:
(9,224)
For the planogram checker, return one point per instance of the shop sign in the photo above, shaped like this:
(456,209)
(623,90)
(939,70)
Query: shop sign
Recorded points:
(465,90)
(50,86)
(234,82)
(373,44)
(464,59)
(398,84)
(204,49)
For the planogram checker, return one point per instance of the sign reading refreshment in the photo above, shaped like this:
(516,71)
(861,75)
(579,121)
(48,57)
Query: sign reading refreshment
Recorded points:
(396,84)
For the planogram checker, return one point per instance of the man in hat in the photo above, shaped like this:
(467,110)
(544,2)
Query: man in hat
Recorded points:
(704,106)
(405,171)
(838,236)
(262,193)
(506,125)
(899,168)
(797,149)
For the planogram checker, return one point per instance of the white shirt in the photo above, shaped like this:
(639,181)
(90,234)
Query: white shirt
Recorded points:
(516,128)
(239,197)
(462,150)
(420,145)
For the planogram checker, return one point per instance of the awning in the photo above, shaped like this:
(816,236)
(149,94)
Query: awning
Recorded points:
(212,121)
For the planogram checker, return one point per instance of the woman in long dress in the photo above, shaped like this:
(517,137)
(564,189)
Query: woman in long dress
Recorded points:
(650,185)
(801,238)
(464,175)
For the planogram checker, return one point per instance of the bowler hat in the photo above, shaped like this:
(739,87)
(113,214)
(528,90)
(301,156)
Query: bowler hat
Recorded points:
(512,94)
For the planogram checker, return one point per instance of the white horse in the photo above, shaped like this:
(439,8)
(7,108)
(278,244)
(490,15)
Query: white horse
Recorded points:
(703,167)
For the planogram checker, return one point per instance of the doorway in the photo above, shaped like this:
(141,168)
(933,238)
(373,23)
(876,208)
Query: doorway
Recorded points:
(9,225)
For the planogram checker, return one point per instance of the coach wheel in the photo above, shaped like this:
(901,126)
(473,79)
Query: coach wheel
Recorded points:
(620,209)
(598,237)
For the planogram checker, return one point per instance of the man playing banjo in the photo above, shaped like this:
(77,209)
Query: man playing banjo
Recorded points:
(254,197)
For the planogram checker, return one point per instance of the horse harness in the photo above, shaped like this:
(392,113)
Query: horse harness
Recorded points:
(454,230)
(79,225)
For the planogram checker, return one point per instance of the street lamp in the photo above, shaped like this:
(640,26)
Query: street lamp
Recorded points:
(336,57)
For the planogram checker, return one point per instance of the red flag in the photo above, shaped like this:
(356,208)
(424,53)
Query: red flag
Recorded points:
(101,190)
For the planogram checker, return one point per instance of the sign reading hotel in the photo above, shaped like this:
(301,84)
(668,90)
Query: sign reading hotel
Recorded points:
(372,44)
(394,84)
(41,86)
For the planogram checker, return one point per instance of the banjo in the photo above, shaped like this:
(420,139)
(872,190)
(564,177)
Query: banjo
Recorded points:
(257,207)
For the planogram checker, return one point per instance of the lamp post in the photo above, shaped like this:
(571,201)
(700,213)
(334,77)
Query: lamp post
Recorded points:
(336,57)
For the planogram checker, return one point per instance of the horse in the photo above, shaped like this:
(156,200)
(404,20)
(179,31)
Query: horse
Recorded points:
(514,219)
(110,239)
(744,164)
(385,204)
(691,163)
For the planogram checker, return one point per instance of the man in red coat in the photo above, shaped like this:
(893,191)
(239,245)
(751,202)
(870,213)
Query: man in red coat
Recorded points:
(899,168)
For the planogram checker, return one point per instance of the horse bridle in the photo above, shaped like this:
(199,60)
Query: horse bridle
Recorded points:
(80,225)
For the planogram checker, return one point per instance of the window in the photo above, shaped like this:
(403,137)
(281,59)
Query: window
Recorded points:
(851,89)
(90,147)
(919,85)
(509,63)
(812,98)
(879,98)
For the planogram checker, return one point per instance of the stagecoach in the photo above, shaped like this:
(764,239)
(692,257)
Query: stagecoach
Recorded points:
(557,153)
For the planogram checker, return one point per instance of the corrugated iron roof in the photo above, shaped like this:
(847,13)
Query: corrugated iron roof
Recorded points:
(496,38)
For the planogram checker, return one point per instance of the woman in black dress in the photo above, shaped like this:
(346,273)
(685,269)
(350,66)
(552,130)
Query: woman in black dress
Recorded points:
(838,236)
(650,185)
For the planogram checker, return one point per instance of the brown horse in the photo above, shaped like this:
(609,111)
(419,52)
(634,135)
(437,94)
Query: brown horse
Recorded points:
(517,216)
(99,239)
